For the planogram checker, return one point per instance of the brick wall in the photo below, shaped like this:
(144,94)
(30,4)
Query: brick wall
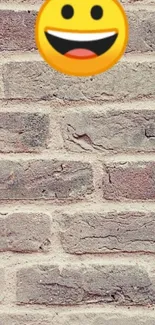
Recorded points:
(77,181)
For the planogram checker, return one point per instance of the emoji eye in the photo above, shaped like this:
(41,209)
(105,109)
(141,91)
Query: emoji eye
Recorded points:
(96,12)
(67,11)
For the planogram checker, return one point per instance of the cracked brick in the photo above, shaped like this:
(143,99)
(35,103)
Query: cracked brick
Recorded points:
(101,232)
(45,179)
(51,285)
(105,129)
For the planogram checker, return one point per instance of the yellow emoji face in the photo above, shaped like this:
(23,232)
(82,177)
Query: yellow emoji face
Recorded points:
(81,37)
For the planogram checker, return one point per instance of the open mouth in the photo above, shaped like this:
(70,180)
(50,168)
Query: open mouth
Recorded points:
(81,45)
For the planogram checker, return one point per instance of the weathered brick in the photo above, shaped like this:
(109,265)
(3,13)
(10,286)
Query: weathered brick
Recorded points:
(17,25)
(36,80)
(49,179)
(142,30)
(109,129)
(1,83)
(129,180)
(101,232)
(25,2)
(23,132)
(51,285)
(144,2)
(17,30)
(24,319)
(2,234)
(23,232)
(2,284)
(39,2)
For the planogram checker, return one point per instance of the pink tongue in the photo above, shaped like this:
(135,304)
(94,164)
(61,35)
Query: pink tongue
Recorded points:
(80,53)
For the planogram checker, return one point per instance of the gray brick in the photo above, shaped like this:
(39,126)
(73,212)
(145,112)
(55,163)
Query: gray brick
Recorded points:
(27,2)
(51,285)
(105,129)
(49,179)
(17,31)
(143,2)
(23,232)
(101,232)
(3,243)
(142,30)
(126,81)
(39,2)
(1,83)
(23,132)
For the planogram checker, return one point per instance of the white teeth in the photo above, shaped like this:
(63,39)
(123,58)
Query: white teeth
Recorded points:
(81,36)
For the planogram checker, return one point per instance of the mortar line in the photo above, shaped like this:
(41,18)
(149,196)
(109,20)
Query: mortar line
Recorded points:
(98,206)
(91,158)
(70,310)
(56,107)
(31,56)
(19,260)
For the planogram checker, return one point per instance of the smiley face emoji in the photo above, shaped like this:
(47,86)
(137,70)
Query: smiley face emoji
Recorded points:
(81,37)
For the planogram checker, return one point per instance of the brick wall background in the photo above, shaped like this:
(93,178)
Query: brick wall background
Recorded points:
(77,181)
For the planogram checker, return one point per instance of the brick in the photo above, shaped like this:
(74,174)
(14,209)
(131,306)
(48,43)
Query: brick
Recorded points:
(17,32)
(144,2)
(1,83)
(25,2)
(2,284)
(51,285)
(23,132)
(24,319)
(129,180)
(21,232)
(49,179)
(102,318)
(2,234)
(39,2)
(17,25)
(101,232)
(142,30)
(110,128)
(39,81)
